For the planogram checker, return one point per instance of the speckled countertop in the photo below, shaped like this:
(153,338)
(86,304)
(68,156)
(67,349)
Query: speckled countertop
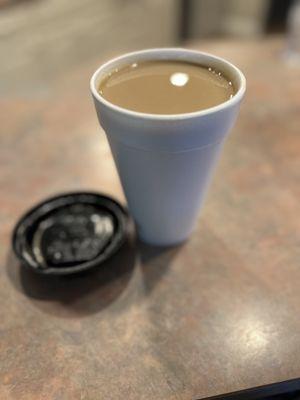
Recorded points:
(217,314)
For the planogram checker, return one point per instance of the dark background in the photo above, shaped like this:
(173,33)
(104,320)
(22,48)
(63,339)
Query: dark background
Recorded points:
(39,39)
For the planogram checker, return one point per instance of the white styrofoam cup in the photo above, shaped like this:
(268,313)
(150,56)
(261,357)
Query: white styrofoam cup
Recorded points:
(165,162)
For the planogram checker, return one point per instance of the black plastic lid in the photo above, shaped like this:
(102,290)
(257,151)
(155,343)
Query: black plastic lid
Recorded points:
(70,233)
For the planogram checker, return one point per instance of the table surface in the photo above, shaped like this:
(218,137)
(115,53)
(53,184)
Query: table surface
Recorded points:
(217,314)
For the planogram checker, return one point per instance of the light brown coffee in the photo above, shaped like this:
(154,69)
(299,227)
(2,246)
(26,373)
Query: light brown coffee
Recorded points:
(166,87)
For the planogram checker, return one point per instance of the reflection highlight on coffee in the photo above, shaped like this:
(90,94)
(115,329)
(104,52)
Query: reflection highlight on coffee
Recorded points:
(166,87)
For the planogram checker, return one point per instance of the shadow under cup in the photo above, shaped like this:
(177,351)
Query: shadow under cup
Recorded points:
(165,162)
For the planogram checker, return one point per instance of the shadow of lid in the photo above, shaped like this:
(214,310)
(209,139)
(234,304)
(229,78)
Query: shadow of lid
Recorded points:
(80,294)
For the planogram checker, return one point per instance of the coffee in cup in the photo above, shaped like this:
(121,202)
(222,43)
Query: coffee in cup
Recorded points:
(166,114)
(166,87)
